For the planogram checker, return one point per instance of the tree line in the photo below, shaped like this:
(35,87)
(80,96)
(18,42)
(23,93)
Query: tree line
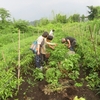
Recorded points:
(8,24)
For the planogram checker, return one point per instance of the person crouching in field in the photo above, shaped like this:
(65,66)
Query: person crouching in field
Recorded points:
(70,42)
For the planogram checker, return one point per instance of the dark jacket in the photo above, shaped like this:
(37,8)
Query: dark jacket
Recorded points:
(71,39)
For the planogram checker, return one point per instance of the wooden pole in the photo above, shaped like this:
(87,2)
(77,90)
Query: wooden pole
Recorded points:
(18,57)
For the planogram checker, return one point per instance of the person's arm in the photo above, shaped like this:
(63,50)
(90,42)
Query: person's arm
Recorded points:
(50,43)
(69,44)
(50,46)
(38,49)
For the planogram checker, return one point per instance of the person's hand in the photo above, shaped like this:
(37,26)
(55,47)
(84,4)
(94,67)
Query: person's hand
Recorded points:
(66,45)
(53,47)
(38,53)
(69,46)
(55,44)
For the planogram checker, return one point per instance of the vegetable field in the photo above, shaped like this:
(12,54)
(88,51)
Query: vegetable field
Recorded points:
(66,76)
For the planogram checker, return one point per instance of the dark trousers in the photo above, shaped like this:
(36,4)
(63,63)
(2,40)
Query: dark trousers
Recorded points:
(37,60)
(73,44)
(40,60)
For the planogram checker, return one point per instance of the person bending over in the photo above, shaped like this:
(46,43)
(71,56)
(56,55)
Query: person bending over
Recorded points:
(70,42)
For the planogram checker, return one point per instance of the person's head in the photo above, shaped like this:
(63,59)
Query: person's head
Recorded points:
(45,34)
(53,30)
(63,40)
(49,38)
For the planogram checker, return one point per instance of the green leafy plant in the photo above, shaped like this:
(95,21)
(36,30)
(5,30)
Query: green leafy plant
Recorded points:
(58,54)
(38,75)
(93,80)
(52,75)
(70,64)
(8,82)
(98,89)
(76,98)
(78,84)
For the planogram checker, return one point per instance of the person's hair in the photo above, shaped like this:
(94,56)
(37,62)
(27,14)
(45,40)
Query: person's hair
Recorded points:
(49,37)
(63,40)
(53,30)
(45,34)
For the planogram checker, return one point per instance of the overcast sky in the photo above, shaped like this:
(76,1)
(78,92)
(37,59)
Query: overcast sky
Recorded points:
(36,9)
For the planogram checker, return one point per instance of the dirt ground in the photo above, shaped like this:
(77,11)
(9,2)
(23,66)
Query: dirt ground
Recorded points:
(35,92)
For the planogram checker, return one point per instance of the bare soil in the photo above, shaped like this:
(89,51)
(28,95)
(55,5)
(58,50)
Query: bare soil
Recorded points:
(36,91)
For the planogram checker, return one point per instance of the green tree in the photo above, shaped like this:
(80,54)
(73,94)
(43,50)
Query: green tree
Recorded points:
(70,19)
(82,18)
(4,14)
(22,25)
(60,18)
(93,12)
(44,21)
(35,22)
(76,18)
(98,11)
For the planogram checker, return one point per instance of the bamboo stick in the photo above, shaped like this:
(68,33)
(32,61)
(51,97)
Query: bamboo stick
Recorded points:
(18,57)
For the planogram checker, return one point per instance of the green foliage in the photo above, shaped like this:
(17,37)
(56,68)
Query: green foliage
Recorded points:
(76,18)
(58,53)
(92,13)
(78,84)
(43,21)
(52,75)
(60,18)
(7,27)
(93,80)
(98,89)
(30,81)
(87,54)
(9,62)
(37,73)
(76,98)
(67,64)
(98,10)
(71,66)
(89,50)
(8,82)
(22,25)
(83,18)
(4,14)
